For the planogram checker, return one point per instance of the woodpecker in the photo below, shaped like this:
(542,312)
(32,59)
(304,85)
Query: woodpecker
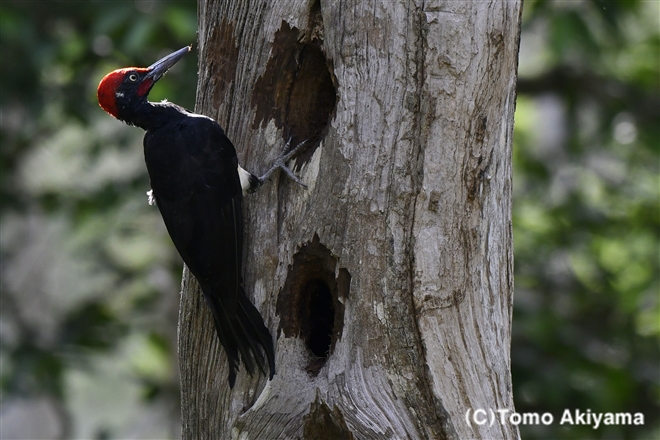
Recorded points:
(198,186)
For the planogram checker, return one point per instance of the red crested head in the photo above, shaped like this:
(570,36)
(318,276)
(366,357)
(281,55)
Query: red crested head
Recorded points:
(120,91)
(116,84)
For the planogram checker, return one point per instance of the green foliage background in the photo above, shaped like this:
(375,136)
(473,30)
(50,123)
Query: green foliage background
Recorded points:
(90,279)
(89,276)
(586,215)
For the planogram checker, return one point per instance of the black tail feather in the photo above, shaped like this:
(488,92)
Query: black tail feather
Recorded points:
(243,332)
(259,333)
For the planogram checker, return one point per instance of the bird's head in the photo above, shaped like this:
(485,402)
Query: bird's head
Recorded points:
(123,89)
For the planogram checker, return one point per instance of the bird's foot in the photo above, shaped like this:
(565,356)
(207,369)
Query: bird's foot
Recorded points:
(280,163)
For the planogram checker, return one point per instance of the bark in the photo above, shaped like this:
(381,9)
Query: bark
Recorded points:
(388,281)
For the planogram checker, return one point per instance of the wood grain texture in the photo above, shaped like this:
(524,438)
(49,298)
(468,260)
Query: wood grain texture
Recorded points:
(409,190)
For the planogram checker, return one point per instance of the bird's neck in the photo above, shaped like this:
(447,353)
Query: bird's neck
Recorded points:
(151,115)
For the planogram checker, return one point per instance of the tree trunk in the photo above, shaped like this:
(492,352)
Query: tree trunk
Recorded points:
(388,281)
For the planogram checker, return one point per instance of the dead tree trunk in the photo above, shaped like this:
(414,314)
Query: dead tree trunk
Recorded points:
(388,281)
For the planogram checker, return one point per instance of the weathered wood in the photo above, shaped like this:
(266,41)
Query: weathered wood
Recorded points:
(398,256)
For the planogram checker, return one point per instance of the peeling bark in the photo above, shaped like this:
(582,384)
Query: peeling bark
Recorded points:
(388,282)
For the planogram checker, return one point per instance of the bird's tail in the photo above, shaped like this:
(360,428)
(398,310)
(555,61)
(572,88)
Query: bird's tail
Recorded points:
(243,332)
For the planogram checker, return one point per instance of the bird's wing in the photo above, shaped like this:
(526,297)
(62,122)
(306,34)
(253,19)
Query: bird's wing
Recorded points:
(200,199)
(195,181)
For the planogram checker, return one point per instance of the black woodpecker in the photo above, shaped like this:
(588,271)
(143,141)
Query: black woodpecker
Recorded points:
(198,187)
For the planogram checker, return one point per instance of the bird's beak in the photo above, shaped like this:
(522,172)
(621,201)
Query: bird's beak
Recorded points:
(160,67)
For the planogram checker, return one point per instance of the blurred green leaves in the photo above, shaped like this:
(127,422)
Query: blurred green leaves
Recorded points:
(586,214)
(90,278)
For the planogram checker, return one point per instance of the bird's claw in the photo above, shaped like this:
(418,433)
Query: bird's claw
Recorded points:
(291,175)
(280,163)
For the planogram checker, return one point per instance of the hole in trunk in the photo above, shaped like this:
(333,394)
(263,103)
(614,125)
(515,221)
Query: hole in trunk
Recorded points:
(298,88)
(310,303)
(317,317)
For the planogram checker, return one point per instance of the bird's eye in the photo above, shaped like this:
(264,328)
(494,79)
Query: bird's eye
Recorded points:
(132,77)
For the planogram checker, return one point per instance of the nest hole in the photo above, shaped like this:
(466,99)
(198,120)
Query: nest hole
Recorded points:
(311,302)
(298,87)
(317,318)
